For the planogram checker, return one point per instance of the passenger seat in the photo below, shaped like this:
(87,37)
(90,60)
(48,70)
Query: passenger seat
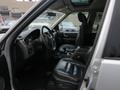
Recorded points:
(68,73)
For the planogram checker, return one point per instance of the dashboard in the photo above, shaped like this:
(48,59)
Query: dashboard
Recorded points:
(29,41)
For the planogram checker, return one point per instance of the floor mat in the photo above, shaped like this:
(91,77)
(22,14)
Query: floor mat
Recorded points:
(33,79)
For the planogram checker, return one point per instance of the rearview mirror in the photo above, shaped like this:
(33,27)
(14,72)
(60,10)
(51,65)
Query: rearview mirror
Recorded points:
(51,14)
(81,2)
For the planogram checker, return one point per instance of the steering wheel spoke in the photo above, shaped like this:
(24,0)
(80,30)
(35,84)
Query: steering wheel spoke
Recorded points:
(48,38)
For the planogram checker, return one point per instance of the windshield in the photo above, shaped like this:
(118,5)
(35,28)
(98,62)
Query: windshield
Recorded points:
(48,18)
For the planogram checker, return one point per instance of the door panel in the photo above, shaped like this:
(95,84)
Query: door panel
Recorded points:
(109,75)
(94,68)
(4,75)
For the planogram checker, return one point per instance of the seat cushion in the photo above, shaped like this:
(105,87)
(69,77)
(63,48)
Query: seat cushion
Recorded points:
(69,71)
(67,48)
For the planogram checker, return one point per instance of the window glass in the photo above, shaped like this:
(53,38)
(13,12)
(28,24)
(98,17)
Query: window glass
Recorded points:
(19,0)
(112,47)
(71,23)
(27,0)
(48,18)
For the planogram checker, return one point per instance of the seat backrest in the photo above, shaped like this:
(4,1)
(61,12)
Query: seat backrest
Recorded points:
(83,32)
(84,55)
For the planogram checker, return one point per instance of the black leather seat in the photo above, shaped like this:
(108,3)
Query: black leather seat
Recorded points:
(68,71)
(67,48)
(80,38)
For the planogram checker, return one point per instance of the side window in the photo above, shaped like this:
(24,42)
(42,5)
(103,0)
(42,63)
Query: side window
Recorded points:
(112,47)
(71,23)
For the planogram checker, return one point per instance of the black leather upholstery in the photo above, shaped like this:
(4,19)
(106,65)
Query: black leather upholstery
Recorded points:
(68,71)
(67,48)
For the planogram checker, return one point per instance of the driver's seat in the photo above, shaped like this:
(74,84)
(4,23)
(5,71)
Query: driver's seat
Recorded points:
(80,38)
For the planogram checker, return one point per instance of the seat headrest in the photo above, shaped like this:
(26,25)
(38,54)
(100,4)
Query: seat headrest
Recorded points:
(82,18)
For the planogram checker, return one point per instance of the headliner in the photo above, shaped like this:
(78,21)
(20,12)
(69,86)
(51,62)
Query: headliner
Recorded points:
(96,5)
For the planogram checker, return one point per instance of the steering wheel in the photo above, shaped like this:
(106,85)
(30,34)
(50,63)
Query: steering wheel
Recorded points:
(48,38)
